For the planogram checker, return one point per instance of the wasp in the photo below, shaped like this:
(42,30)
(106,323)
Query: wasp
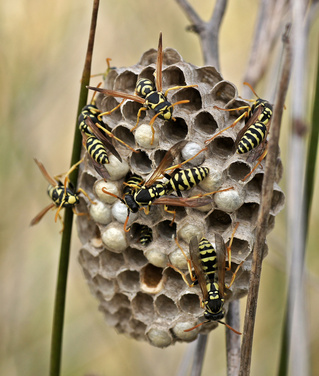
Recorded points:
(149,95)
(96,138)
(141,195)
(253,136)
(63,196)
(209,267)
(145,235)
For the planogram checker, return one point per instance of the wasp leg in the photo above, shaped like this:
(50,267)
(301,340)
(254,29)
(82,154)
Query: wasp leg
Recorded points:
(245,114)
(230,245)
(79,213)
(212,193)
(138,117)
(66,180)
(187,160)
(234,276)
(80,190)
(178,87)
(110,134)
(260,159)
(189,263)
(170,212)
(109,112)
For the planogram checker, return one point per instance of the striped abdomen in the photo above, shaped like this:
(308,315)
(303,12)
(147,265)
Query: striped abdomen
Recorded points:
(182,180)
(144,86)
(133,183)
(208,258)
(96,150)
(57,195)
(146,235)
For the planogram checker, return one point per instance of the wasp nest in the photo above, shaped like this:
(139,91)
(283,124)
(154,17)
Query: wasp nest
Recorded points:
(138,293)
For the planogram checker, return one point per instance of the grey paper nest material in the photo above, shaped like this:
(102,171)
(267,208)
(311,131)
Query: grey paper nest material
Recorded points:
(138,294)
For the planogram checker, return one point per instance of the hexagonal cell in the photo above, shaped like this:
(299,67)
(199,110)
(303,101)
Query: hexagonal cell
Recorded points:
(175,130)
(166,307)
(138,329)
(141,162)
(277,202)
(159,337)
(208,75)
(148,73)
(110,262)
(126,82)
(91,262)
(223,92)
(119,301)
(248,212)
(190,303)
(87,181)
(158,156)
(166,230)
(143,308)
(205,123)
(108,104)
(173,282)
(151,279)
(171,56)
(192,95)
(255,184)
(219,220)
(223,147)
(238,170)
(135,257)
(124,134)
(129,281)
(130,110)
(105,286)
(148,57)
(173,76)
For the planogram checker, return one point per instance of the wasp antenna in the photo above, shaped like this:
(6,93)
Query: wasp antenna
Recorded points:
(112,194)
(251,88)
(126,221)
(196,326)
(229,327)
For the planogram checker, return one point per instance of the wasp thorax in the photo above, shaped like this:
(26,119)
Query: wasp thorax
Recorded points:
(132,273)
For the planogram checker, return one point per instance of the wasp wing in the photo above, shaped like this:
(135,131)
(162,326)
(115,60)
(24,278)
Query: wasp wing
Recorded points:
(99,135)
(197,265)
(42,213)
(190,202)
(168,159)
(221,262)
(159,63)
(114,93)
(45,173)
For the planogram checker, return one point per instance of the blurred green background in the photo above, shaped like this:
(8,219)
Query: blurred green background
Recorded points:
(43,45)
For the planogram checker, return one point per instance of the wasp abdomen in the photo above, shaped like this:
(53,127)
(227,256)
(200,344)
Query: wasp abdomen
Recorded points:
(187,179)
(208,257)
(144,86)
(146,235)
(254,135)
(96,150)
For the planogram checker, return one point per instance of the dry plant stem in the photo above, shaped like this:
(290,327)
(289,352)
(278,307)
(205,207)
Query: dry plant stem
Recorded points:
(187,357)
(199,355)
(59,304)
(267,193)
(270,19)
(232,339)
(207,31)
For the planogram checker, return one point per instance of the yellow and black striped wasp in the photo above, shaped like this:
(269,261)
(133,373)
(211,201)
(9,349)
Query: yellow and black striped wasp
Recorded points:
(96,138)
(141,195)
(63,196)
(209,267)
(253,136)
(149,95)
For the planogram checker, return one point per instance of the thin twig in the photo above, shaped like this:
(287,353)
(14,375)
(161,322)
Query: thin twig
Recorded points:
(199,355)
(268,26)
(187,358)
(266,197)
(208,31)
(59,304)
(232,339)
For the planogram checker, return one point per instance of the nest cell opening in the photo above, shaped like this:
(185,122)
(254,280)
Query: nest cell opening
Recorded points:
(175,130)
(173,282)
(171,56)
(277,201)
(91,262)
(255,184)
(238,170)
(126,82)
(205,123)
(138,329)
(173,76)
(223,147)
(117,302)
(223,92)
(151,276)
(111,262)
(108,104)
(208,75)
(248,212)
(135,257)
(125,135)
(166,231)
(143,308)
(190,303)
(87,181)
(141,162)
(219,220)
(158,156)
(130,110)
(239,247)
(148,73)
(129,281)
(191,94)
(166,307)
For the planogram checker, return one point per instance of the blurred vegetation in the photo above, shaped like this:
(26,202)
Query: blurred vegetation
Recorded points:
(41,59)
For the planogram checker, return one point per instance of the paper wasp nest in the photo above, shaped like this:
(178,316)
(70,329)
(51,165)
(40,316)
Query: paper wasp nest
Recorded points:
(137,292)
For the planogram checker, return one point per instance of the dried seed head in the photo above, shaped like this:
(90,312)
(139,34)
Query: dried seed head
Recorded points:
(138,292)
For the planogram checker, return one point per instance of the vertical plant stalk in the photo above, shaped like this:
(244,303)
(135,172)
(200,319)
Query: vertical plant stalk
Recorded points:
(208,31)
(262,220)
(233,340)
(199,355)
(60,296)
